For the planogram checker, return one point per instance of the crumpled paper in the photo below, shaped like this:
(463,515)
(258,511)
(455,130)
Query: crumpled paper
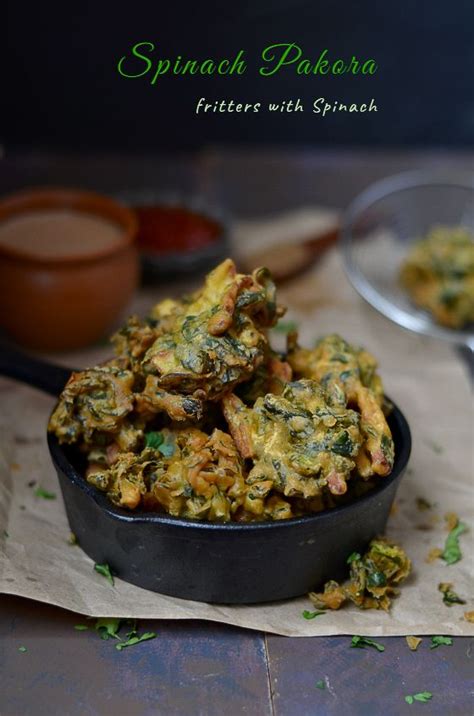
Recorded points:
(424,377)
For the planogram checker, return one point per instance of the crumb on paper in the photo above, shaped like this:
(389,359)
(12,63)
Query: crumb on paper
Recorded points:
(451,519)
(423,504)
(433,555)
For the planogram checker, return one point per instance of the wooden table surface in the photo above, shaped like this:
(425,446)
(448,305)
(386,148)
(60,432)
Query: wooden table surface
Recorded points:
(204,668)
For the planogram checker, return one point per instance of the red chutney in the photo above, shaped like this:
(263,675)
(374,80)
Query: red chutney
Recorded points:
(174,229)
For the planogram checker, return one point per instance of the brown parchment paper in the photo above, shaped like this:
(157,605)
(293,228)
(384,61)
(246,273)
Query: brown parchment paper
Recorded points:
(424,377)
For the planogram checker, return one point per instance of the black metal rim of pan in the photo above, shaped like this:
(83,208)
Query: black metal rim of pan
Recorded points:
(402,455)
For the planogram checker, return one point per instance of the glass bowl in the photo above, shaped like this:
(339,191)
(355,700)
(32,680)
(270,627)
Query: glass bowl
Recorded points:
(379,228)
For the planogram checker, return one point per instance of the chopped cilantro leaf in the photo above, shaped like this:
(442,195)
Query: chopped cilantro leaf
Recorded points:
(353,557)
(135,640)
(104,570)
(423,696)
(81,627)
(361,642)
(320,684)
(45,494)
(22,649)
(452,551)
(108,627)
(311,615)
(153,440)
(440,641)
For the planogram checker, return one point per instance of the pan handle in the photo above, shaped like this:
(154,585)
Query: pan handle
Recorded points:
(36,372)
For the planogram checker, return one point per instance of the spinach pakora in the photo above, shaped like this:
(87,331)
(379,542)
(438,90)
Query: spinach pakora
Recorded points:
(197,415)
(438,274)
(374,578)
(348,374)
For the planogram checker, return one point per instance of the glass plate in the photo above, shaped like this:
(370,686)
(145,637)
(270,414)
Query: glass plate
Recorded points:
(379,228)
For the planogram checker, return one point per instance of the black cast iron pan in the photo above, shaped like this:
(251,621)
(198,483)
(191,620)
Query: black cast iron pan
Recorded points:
(229,563)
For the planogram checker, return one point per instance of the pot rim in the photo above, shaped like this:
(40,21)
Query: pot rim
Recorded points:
(79,200)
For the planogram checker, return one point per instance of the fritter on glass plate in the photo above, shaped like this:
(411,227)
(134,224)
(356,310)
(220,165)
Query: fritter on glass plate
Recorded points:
(438,273)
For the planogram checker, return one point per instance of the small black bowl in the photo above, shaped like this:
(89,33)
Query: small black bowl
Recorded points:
(230,563)
(168,266)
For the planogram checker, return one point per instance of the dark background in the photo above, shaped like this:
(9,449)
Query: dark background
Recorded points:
(62,91)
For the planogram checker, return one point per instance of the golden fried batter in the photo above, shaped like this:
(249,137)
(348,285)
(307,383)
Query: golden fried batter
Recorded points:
(438,273)
(94,400)
(350,372)
(152,420)
(196,476)
(299,444)
(217,341)
(373,578)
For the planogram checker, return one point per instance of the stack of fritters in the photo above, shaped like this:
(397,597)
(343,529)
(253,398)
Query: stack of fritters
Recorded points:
(197,416)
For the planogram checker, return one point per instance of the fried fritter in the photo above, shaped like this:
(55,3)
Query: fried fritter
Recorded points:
(374,578)
(270,377)
(300,445)
(349,374)
(438,273)
(151,420)
(190,474)
(218,340)
(96,400)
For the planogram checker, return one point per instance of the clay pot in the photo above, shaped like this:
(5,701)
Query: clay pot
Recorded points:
(70,301)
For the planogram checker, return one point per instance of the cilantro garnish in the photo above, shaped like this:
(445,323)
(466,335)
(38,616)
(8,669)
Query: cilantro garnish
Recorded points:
(423,696)
(452,551)
(311,615)
(353,557)
(440,641)
(320,684)
(360,642)
(22,649)
(81,627)
(45,494)
(153,440)
(104,570)
(108,627)
(136,640)
(286,327)
(163,443)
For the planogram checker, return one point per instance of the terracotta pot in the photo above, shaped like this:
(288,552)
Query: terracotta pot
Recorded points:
(70,301)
